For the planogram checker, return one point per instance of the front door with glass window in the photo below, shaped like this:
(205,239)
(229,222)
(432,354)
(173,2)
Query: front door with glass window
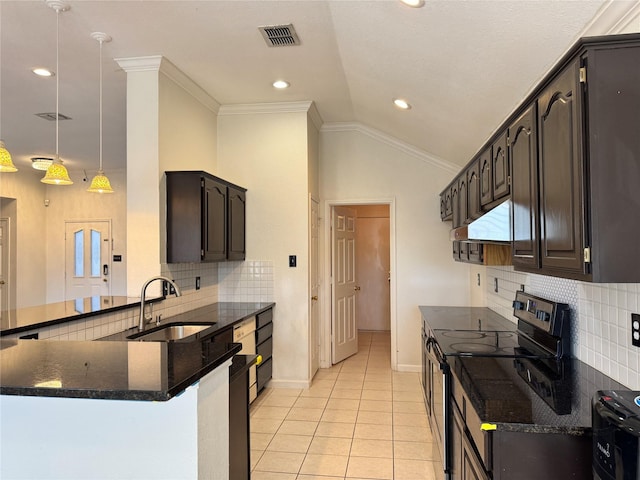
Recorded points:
(87,259)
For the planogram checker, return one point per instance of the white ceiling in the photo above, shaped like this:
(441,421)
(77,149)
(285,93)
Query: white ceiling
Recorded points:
(462,64)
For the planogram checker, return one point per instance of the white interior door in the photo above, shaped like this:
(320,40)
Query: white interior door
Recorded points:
(4,266)
(87,259)
(314,282)
(344,332)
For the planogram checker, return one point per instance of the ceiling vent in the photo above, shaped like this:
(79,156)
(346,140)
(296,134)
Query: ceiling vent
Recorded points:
(52,116)
(280,35)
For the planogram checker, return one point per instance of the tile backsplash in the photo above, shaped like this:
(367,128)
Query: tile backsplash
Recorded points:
(601,314)
(248,281)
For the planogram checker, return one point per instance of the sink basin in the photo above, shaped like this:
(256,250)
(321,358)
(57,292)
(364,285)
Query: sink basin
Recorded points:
(169,333)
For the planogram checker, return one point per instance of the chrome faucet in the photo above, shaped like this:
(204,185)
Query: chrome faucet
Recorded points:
(144,293)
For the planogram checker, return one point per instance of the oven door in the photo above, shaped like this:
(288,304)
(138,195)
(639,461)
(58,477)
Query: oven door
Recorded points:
(440,416)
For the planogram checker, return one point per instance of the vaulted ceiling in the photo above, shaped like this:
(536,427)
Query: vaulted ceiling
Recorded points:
(463,65)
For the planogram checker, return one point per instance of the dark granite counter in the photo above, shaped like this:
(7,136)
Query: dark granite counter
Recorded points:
(223,315)
(30,318)
(108,370)
(520,394)
(121,369)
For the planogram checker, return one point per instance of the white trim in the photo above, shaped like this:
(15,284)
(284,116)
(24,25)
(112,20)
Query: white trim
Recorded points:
(327,310)
(300,384)
(613,17)
(158,63)
(262,108)
(410,368)
(392,142)
(315,117)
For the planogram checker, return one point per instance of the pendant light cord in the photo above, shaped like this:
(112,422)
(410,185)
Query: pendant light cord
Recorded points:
(57,78)
(101,106)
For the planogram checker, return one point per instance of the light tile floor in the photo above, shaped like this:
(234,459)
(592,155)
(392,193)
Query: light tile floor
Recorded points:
(359,420)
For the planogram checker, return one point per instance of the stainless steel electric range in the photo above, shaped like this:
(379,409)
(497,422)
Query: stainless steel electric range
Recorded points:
(534,347)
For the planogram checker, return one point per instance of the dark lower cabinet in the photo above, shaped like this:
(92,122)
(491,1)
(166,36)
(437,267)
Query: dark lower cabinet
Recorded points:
(239,431)
(466,464)
(264,347)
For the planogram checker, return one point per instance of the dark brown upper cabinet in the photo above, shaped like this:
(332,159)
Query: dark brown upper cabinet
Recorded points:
(205,217)
(486,189)
(500,168)
(473,191)
(237,207)
(572,149)
(455,207)
(463,206)
(561,181)
(523,151)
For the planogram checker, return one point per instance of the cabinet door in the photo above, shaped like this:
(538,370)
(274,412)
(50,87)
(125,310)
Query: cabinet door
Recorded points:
(457,450)
(486,190)
(473,190)
(524,190)
(561,176)
(463,216)
(471,466)
(455,207)
(214,231)
(236,225)
(448,206)
(474,252)
(500,167)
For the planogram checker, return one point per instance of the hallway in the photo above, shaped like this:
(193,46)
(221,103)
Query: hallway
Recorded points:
(359,420)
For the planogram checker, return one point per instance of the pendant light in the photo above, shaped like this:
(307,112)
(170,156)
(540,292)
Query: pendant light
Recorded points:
(57,174)
(100,183)
(6,164)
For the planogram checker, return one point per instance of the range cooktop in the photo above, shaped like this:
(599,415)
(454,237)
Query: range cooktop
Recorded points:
(482,343)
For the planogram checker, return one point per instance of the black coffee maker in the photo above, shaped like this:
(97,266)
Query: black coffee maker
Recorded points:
(616,435)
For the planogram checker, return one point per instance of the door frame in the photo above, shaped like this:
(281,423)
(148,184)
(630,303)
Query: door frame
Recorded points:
(327,310)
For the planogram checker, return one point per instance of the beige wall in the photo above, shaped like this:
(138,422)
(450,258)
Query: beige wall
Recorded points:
(266,151)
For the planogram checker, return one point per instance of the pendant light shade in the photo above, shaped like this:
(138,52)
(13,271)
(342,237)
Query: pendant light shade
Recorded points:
(6,164)
(57,173)
(41,163)
(100,183)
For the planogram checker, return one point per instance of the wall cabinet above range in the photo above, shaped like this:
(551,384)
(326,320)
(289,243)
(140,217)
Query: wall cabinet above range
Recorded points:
(206,218)
(569,159)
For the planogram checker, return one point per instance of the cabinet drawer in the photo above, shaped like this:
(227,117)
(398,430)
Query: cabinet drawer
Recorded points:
(264,373)
(265,349)
(264,318)
(264,333)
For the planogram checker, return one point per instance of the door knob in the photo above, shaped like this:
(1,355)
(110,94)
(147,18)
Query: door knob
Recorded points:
(1,282)
(315,297)
(356,288)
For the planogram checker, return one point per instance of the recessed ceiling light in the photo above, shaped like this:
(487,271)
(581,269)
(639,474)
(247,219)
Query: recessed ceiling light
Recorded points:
(413,3)
(280,84)
(402,104)
(43,72)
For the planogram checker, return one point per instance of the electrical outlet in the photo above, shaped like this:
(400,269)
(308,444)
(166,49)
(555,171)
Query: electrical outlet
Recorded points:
(197,283)
(165,288)
(635,329)
(478,279)
(292,260)
(172,289)
(495,285)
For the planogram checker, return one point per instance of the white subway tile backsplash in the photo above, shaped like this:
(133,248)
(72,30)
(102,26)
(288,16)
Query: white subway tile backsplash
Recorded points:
(601,317)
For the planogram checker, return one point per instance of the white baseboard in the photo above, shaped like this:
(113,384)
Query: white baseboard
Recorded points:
(410,368)
(273,383)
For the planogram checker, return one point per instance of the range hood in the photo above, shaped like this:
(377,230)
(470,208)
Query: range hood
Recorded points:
(492,227)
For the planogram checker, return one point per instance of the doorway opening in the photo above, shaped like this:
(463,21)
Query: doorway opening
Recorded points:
(374,275)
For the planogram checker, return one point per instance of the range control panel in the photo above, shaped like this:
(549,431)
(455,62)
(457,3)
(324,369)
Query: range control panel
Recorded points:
(543,314)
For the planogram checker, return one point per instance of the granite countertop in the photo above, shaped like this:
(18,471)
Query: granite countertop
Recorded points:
(30,318)
(499,389)
(121,369)
(155,371)
(223,315)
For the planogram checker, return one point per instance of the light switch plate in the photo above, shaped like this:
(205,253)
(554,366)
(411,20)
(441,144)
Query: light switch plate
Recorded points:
(292,260)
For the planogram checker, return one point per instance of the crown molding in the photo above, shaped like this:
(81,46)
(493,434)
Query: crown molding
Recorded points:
(392,142)
(157,63)
(265,108)
(613,17)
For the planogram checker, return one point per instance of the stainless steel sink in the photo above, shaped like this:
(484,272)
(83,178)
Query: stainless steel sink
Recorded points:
(172,332)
